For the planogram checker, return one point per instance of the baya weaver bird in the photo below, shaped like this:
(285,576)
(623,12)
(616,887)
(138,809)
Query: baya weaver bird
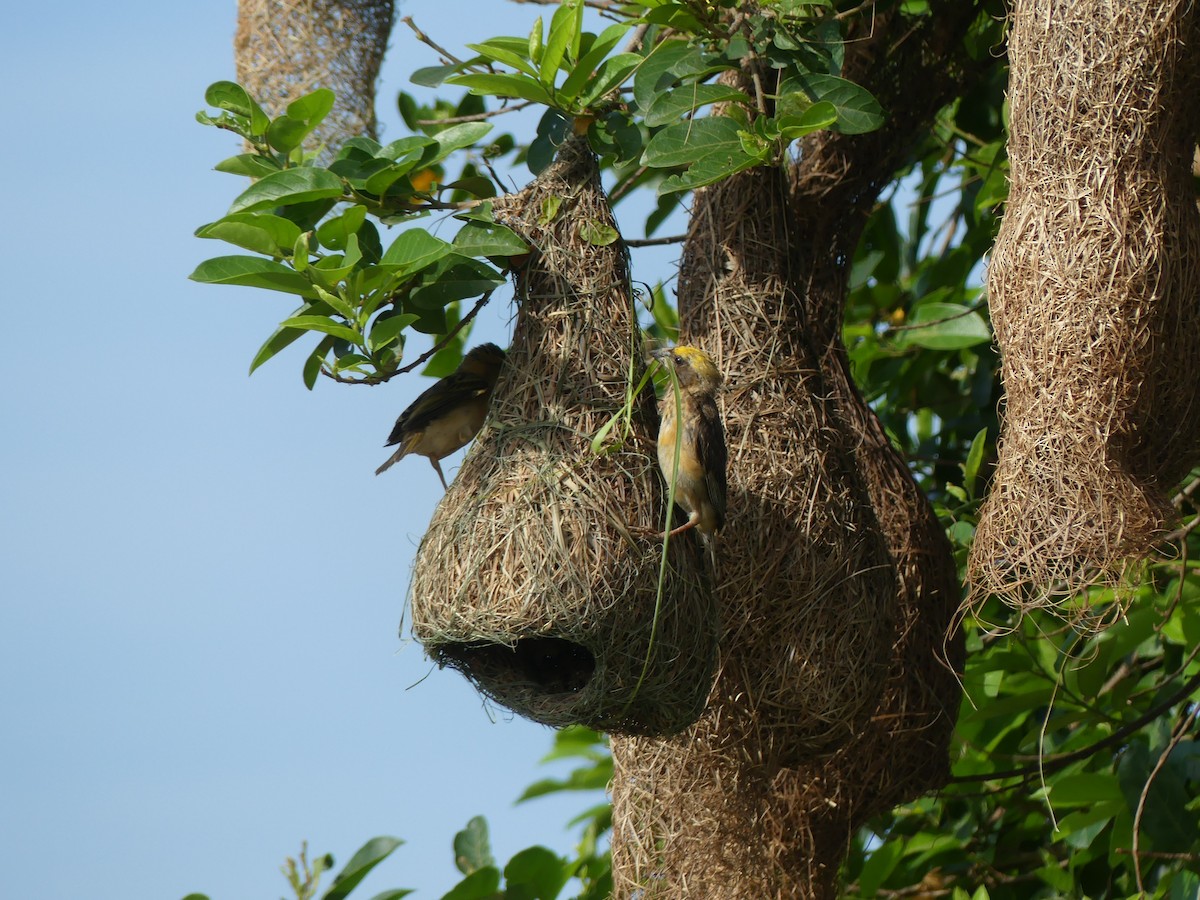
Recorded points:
(446,416)
(699,446)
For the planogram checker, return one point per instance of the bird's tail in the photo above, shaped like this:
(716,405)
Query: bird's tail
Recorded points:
(392,460)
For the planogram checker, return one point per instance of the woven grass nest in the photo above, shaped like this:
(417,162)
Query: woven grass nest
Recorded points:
(1093,289)
(287,48)
(529,580)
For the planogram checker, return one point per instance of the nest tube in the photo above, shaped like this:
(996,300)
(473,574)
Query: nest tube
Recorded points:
(750,800)
(1092,285)
(286,48)
(532,579)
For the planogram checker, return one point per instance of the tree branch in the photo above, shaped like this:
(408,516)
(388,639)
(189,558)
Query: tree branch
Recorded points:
(1117,737)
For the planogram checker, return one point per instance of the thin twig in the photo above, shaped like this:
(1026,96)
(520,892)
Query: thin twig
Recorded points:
(1117,737)
(476,117)
(1186,493)
(426,39)
(627,185)
(655,242)
(1184,728)
(635,40)
(974,307)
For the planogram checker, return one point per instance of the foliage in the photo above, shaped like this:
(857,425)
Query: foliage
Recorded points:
(313,228)
(535,873)
(1076,771)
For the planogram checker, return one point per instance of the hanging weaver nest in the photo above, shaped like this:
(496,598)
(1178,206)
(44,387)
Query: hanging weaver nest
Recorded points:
(1093,283)
(287,48)
(732,805)
(528,580)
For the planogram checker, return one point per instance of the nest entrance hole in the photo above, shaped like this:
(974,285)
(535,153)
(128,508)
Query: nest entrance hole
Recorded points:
(542,665)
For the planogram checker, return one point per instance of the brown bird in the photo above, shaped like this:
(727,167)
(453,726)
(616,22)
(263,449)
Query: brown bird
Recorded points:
(693,457)
(448,415)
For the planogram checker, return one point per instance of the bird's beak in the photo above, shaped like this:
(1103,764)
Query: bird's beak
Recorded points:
(661,354)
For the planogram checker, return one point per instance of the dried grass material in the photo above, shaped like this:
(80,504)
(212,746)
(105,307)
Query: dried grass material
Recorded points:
(528,579)
(287,48)
(715,812)
(747,803)
(805,585)
(1093,283)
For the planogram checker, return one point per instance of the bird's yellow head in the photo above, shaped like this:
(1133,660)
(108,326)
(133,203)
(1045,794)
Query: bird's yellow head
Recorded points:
(484,361)
(693,367)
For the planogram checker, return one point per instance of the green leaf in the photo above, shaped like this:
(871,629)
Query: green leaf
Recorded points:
(1079,828)
(290,186)
(386,330)
(591,778)
(369,855)
(313,107)
(260,232)
(687,142)
(415,249)
(1184,886)
(819,115)
(472,848)
(857,110)
(497,51)
(325,325)
(879,865)
(454,277)
(406,147)
(249,164)
(229,95)
(674,105)
(539,870)
(582,71)
(394,894)
(611,75)
(713,147)
(434,76)
(285,134)
(1166,822)
(288,131)
(537,40)
(565,28)
(454,138)
(336,232)
(284,337)
(549,210)
(578,741)
(477,238)
(1084,789)
(656,73)
(502,85)
(479,885)
(316,361)
(974,460)
(252,271)
(598,233)
(944,326)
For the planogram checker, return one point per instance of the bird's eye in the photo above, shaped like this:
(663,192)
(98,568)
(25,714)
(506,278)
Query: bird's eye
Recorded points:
(678,360)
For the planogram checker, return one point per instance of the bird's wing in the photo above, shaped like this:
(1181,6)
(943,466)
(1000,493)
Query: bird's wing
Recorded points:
(713,456)
(436,402)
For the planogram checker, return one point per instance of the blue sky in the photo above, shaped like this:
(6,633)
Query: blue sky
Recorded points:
(201,578)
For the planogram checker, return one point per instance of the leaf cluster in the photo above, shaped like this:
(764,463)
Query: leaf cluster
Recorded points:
(313,231)
(535,873)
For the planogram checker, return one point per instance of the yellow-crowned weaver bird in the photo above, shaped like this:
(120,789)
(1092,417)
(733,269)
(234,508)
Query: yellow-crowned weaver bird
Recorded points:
(697,436)
(448,415)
